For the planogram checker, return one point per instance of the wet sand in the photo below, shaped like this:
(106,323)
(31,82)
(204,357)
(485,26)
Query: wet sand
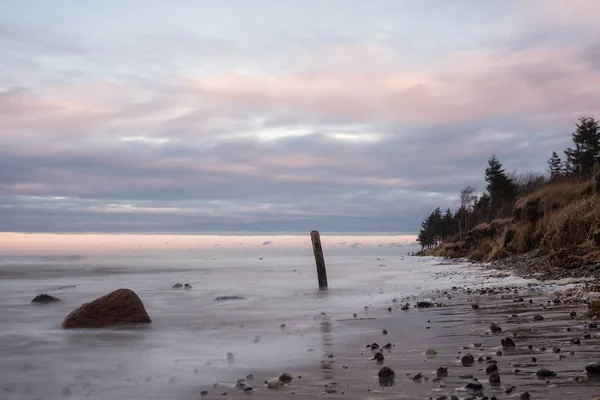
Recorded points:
(346,368)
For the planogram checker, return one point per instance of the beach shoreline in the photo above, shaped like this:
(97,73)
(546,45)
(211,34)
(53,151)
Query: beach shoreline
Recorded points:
(454,329)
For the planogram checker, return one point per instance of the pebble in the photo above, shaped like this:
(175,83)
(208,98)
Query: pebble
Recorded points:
(442,372)
(537,318)
(494,377)
(474,386)
(491,368)
(285,377)
(507,343)
(495,328)
(467,359)
(430,352)
(593,368)
(545,373)
(386,372)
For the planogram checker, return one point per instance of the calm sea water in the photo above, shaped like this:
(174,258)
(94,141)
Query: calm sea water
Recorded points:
(186,347)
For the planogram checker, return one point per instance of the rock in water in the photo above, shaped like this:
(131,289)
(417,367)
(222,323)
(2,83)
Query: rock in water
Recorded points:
(442,372)
(491,369)
(187,286)
(274,384)
(121,307)
(494,377)
(285,378)
(474,386)
(177,286)
(430,352)
(545,373)
(507,343)
(424,304)
(593,368)
(467,359)
(495,328)
(227,298)
(537,318)
(44,299)
(386,373)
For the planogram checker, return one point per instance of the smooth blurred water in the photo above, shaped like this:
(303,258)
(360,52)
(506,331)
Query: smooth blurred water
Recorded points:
(186,346)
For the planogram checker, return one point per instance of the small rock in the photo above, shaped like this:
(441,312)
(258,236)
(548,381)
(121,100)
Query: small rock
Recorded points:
(386,372)
(545,373)
(378,357)
(537,318)
(430,352)
(273,383)
(228,298)
(285,378)
(424,304)
(442,372)
(572,314)
(44,299)
(494,377)
(491,368)
(385,332)
(177,286)
(593,368)
(187,286)
(418,377)
(495,328)
(525,396)
(467,359)
(507,343)
(474,386)
(474,306)
(204,393)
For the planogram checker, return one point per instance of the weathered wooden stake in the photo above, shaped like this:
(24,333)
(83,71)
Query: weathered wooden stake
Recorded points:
(319,259)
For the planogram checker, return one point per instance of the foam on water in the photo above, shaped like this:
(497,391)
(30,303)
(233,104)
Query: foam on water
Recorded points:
(187,345)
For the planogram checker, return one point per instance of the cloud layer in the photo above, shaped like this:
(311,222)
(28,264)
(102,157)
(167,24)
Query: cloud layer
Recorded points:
(354,127)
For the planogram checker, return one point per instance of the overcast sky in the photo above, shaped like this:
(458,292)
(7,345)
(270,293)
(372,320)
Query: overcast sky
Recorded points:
(278,116)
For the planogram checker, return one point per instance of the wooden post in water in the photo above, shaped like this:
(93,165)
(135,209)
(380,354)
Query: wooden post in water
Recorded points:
(319,259)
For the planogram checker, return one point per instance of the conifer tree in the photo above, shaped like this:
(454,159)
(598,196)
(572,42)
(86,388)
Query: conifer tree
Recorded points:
(501,189)
(582,158)
(555,166)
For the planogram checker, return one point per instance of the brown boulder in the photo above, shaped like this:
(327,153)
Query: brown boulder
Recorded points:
(121,307)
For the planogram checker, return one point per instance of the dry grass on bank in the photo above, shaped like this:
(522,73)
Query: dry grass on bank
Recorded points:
(561,221)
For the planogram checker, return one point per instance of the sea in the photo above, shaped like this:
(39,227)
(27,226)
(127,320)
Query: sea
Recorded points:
(195,342)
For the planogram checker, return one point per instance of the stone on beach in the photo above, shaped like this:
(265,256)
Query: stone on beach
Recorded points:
(474,386)
(467,359)
(386,372)
(227,298)
(177,286)
(430,352)
(593,368)
(285,377)
(545,373)
(495,328)
(121,307)
(494,377)
(507,343)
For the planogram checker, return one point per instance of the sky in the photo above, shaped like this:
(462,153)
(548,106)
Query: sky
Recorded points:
(266,116)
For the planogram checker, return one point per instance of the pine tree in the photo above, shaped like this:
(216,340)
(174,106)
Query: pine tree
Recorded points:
(500,187)
(555,166)
(449,225)
(582,159)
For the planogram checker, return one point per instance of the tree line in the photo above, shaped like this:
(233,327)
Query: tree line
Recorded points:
(503,189)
